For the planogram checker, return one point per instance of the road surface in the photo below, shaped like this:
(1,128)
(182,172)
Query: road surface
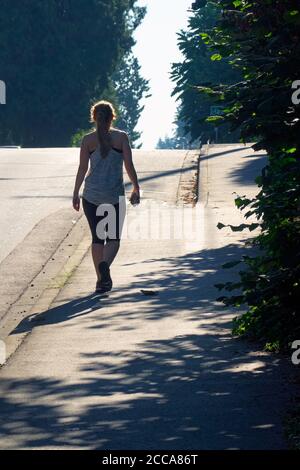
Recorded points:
(35,183)
(160,371)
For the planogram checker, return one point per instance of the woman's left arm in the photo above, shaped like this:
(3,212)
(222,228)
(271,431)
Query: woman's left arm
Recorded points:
(130,169)
(82,169)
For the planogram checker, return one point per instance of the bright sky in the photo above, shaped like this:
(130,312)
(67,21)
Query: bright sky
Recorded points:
(156,49)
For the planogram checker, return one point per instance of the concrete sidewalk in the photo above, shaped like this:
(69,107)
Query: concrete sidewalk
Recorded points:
(130,371)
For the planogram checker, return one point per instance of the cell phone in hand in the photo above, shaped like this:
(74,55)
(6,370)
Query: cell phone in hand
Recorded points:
(135,199)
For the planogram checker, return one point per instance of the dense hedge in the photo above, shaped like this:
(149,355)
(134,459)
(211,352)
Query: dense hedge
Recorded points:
(262,40)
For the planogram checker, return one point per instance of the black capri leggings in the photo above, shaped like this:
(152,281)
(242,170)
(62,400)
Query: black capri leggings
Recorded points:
(108,225)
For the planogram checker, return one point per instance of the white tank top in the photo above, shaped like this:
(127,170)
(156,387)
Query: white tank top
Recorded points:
(104,182)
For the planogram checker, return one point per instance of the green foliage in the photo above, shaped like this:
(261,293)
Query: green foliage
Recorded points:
(201,69)
(180,138)
(126,88)
(261,40)
(76,139)
(56,57)
(130,88)
(167,143)
(292,427)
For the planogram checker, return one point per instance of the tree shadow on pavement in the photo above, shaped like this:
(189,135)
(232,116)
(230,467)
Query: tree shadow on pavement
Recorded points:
(201,390)
(245,175)
(225,152)
(189,392)
(184,283)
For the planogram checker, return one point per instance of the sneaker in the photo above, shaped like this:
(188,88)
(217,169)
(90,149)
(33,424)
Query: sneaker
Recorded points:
(98,287)
(106,281)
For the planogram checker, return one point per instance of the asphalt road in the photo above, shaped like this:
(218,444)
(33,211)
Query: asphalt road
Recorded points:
(161,371)
(35,183)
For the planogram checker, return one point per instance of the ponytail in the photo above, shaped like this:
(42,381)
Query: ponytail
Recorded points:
(103,113)
(103,137)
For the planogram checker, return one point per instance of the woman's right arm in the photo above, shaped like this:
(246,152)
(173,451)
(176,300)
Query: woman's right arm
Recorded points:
(82,169)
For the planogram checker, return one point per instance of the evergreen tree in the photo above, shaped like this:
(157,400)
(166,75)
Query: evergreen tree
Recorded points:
(130,88)
(198,69)
(180,138)
(57,56)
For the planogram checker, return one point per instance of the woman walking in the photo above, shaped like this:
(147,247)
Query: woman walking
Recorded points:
(103,198)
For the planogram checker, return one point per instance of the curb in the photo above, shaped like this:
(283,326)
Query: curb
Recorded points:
(45,287)
(187,193)
(202,186)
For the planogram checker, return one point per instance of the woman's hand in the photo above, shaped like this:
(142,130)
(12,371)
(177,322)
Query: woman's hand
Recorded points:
(135,196)
(76,202)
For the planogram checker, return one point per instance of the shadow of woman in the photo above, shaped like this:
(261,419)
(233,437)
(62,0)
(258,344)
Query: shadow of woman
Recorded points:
(62,313)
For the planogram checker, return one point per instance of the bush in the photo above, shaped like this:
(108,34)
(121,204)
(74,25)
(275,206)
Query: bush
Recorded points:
(262,40)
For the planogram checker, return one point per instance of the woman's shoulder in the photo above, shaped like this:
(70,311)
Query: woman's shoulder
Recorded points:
(118,136)
(90,139)
(117,132)
(90,136)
